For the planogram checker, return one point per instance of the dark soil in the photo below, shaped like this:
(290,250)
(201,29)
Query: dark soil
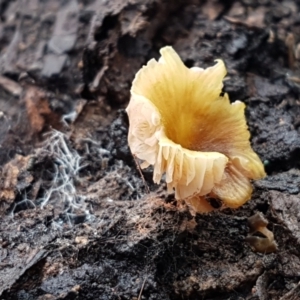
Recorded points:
(77,219)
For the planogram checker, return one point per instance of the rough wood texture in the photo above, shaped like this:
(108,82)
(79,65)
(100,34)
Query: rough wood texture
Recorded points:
(76,219)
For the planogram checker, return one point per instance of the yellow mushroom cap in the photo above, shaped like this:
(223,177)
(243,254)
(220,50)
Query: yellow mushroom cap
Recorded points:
(181,125)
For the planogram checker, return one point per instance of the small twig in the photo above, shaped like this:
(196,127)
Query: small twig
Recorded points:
(294,79)
(142,288)
(140,171)
(293,294)
(10,86)
(290,43)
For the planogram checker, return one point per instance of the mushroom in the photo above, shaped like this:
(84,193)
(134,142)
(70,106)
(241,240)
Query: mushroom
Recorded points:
(182,125)
(260,238)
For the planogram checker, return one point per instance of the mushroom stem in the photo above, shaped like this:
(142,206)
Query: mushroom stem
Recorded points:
(199,204)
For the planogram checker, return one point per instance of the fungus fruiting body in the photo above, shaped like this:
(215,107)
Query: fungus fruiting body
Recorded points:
(263,243)
(182,125)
